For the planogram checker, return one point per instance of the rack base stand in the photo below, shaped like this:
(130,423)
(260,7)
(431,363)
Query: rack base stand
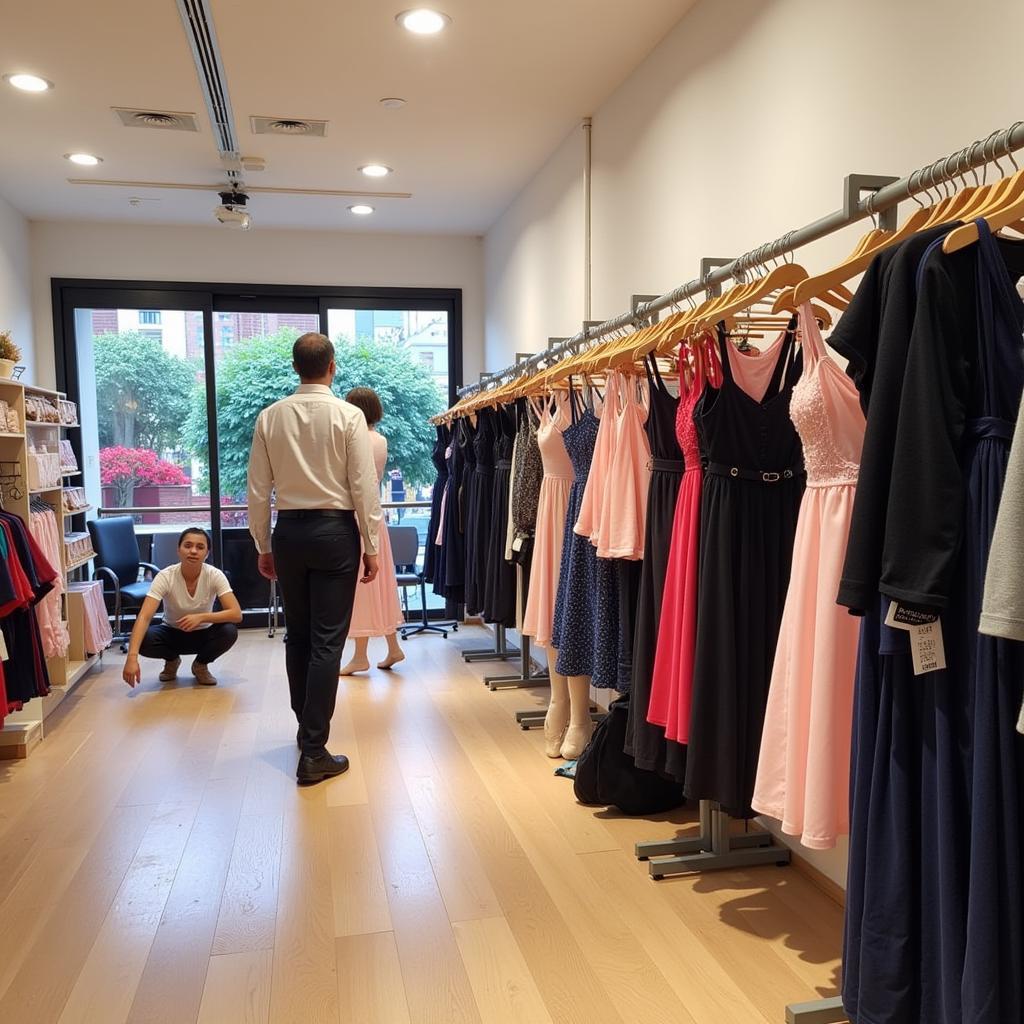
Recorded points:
(534,719)
(500,652)
(527,675)
(713,850)
(821,1011)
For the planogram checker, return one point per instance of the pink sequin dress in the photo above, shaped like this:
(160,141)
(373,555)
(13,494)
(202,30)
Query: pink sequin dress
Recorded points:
(549,532)
(377,610)
(672,686)
(804,766)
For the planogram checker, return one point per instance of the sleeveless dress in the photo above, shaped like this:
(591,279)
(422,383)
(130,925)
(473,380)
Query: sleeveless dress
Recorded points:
(803,775)
(645,743)
(436,494)
(479,511)
(672,687)
(377,610)
(453,549)
(575,603)
(935,905)
(749,508)
(552,505)
(470,501)
(499,583)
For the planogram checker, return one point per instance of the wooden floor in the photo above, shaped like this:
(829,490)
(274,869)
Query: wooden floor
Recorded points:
(158,864)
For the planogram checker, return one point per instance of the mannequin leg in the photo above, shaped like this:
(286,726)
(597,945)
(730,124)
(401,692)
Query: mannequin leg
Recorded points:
(359,662)
(395,652)
(581,726)
(557,719)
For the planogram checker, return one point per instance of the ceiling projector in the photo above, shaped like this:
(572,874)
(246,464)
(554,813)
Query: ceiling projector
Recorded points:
(232,211)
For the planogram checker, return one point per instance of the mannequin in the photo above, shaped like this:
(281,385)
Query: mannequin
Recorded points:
(567,725)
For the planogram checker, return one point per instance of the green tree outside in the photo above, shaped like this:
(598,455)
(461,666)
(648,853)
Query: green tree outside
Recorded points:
(143,394)
(259,371)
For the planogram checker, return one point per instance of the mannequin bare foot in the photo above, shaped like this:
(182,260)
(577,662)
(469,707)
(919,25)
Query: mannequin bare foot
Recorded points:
(576,739)
(554,734)
(354,666)
(392,659)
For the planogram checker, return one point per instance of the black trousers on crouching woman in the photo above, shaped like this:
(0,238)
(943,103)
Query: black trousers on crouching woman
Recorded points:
(163,641)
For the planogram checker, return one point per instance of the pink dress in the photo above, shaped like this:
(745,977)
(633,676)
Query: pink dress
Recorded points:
(588,523)
(377,610)
(549,532)
(804,766)
(672,685)
(623,516)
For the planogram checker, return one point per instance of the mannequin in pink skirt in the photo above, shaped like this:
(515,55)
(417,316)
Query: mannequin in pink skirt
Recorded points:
(377,610)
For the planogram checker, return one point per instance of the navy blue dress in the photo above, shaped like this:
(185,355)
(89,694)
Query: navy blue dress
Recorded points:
(573,627)
(935,902)
(499,582)
(470,502)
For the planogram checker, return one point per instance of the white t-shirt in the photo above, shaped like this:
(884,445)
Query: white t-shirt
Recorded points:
(169,586)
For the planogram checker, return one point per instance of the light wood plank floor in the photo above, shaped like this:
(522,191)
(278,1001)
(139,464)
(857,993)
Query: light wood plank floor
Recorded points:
(159,865)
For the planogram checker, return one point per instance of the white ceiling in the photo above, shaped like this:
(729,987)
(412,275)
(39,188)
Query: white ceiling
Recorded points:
(488,101)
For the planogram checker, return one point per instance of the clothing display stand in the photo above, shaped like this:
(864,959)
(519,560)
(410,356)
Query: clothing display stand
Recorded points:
(527,676)
(821,1011)
(713,850)
(500,652)
(534,719)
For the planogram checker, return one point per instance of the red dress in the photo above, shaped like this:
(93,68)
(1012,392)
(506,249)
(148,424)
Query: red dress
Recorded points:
(672,684)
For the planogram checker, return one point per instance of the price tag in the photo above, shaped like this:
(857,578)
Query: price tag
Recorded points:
(927,648)
(900,617)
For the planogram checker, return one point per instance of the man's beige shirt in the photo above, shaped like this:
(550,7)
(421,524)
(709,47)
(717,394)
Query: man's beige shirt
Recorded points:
(312,450)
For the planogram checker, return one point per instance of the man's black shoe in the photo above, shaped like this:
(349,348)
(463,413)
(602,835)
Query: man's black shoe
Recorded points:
(316,768)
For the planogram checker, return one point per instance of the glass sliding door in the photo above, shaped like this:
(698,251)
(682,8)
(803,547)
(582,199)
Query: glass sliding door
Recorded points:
(403,355)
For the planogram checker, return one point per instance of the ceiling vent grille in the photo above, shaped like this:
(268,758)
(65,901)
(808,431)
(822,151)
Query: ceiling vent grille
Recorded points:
(163,120)
(288,126)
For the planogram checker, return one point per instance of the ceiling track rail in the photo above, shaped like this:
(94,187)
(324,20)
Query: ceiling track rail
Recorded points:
(197,18)
(273,190)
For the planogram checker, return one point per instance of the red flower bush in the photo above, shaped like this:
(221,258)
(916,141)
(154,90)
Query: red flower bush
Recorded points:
(139,466)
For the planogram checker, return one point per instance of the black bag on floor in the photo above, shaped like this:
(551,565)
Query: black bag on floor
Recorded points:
(606,775)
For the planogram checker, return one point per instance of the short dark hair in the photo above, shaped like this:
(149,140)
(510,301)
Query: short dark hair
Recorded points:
(369,401)
(312,355)
(194,529)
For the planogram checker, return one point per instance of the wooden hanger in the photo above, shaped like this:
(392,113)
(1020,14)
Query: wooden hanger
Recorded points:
(1007,215)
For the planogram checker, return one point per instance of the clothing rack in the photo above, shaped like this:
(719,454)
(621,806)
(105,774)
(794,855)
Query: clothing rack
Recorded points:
(527,676)
(500,652)
(885,194)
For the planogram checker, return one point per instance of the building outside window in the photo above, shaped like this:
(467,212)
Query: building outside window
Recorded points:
(149,316)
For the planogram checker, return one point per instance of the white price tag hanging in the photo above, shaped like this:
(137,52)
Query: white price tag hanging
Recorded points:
(927,648)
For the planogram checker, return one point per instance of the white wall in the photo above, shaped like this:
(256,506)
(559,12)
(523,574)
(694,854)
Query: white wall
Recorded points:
(15,290)
(162,253)
(739,127)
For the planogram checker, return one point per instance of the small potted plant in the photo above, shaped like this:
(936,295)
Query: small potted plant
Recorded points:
(9,354)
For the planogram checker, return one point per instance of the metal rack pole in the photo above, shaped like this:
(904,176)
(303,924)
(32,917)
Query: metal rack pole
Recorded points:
(854,209)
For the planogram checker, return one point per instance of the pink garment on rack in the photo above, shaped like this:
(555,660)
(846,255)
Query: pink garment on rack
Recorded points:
(96,631)
(48,612)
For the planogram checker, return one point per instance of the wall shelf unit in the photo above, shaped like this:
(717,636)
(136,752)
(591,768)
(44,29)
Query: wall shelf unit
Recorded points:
(24,730)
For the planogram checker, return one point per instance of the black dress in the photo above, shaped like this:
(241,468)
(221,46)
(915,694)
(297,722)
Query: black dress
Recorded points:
(453,550)
(478,510)
(441,478)
(753,484)
(935,909)
(500,581)
(645,742)
(470,500)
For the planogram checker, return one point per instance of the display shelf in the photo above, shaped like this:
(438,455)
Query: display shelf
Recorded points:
(74,472)
(46,490)
(11,434)
(82,561)
(78,511)
(32,389)
(39,425)
(69,426)
(17,739)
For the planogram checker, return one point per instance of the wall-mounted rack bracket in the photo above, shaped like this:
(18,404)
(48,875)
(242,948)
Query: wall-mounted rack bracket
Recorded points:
(709,263)
(854,185)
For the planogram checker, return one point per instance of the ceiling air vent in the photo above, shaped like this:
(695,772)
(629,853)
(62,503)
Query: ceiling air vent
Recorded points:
(288,126)
(166,120)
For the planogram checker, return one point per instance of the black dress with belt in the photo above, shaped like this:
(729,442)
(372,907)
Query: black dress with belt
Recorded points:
(753,484)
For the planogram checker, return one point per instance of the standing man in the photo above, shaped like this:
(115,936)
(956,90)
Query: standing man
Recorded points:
(313,451)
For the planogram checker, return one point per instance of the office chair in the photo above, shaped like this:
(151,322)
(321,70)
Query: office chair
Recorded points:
(405,548)
(118,564)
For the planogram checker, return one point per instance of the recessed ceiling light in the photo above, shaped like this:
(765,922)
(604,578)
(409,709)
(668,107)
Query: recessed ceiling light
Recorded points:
(392,102)
(361,210)
(423,21)
(28,83)
(375,170)
(83,159)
